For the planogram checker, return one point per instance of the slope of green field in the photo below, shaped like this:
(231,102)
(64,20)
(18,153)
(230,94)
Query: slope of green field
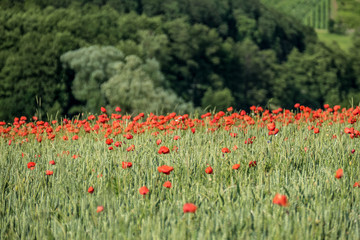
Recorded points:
(344,41)
(314,13)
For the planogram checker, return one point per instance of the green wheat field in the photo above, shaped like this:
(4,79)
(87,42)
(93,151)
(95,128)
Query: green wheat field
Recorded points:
(41,199)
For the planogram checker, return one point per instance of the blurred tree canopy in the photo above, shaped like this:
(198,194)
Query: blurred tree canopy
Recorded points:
(138,86)
(92,68)
(74,56)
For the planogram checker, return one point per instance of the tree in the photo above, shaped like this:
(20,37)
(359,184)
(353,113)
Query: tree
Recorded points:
(249,72)
(219,99)
(33,73)
(138,86)
(309,78)
(92,68)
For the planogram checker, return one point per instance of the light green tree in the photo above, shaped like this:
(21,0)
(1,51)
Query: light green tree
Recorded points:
(139,87)
(221,99)
(92,68)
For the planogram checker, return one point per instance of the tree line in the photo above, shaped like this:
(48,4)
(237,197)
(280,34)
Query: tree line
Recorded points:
(68,57)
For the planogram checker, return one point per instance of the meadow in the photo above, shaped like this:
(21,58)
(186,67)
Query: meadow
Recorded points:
(331,39)
(280,174)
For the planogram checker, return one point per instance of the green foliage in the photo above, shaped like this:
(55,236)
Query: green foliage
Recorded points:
(249,73)
(311,77)
(348,15)
(91,65)
(34,71)
(219,99)
(239,45)
(138,86)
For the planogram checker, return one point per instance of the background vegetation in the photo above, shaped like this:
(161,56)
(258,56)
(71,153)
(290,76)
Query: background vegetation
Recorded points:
(66,57)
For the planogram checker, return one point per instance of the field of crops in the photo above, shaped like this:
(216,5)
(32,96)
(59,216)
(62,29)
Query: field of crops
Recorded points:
(223,175)
(314,13)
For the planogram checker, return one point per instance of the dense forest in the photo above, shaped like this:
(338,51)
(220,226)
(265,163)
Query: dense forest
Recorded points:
(71,56)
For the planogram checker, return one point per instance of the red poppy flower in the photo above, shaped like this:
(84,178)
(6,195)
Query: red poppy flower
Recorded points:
(225,150)
(280,200)
(356,184)
(189,208)
(143,190)
(176,137)
(109,141)
(31,165)
(117,144)
(126,165)
(273,132)
(193,130)
(297,105)
(131,148)
(209,170)
(103,109)
(117,109)
(90,190)
(163,150)
(48,172)
(252,164)
(271,126)
(75,137)
(229,109)
(353,151)
(349,130)
(236,166)
(52,162)
(99,209)
(165,169)
(316,130)
(158,141)
(339,173)
(128,136)
(111,148)
(167,184)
